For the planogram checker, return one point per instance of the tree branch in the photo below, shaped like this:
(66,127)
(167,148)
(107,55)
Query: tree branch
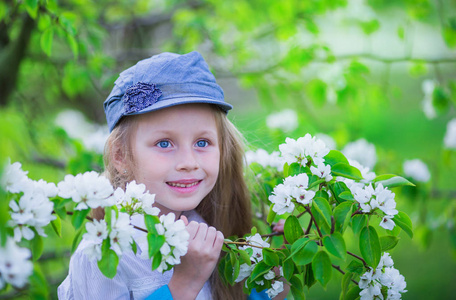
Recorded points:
(340,270)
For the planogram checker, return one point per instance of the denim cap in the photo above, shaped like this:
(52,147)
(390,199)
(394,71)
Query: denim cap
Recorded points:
(161,81)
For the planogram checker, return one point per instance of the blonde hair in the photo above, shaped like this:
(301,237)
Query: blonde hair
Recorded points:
(226,207)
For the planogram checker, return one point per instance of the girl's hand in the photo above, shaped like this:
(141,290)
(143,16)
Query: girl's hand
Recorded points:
(205,244)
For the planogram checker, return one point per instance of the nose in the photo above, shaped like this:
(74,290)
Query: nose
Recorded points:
(187,160)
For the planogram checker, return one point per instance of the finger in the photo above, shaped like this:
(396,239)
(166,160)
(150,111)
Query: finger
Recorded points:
(218,243)
(184,218)
(192,229)
(210,236)
(202,232)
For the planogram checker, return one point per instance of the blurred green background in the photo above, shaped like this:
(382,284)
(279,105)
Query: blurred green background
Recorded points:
(374,69)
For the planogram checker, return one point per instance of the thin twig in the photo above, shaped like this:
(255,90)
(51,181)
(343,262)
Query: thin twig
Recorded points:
(360,258)
(275,233)
(315,222)
(340,270)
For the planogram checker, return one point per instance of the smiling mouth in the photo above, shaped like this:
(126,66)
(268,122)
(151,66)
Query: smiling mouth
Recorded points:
(183,185)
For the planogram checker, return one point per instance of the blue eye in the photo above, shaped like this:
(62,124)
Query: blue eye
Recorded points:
(202,143)
(164,144)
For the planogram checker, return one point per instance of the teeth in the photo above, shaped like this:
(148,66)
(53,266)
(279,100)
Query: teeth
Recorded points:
(182,185)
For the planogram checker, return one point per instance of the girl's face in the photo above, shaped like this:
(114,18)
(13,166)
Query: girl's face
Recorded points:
(176,153)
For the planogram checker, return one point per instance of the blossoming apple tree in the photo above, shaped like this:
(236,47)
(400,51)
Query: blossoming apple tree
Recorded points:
(318,192)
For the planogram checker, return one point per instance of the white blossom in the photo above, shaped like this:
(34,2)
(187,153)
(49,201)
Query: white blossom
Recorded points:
(15,264)
(136,198)
(387,222)
(88,190)
(281,199)
(303,149)
(244,272)
(293,188)
(14,179)
(176,241)
(97,231)
(417,170)
(276,288)
(385,275)
(121,232)
(323,171)
(286,120)
(265,159)
(450,136)
(381,198)
(32,209)
(257,253)
(361,151)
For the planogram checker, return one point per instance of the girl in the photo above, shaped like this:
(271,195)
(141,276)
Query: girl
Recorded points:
(169,131)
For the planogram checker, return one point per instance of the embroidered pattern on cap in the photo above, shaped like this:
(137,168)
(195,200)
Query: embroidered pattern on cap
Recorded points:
(140,96)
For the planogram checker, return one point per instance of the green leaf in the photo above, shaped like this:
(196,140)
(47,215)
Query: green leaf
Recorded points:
(260,269)
(36,245)
(337,188)
(347,171)
(303,251)
(74,46)
(388,242)
(358,223)
(353,293)
(288,268)
(335,244)
(309,278)
(355,266)
(418,68)
(322,194)
(271,215)
(79,216)
(57,226)
(46,40)
(440,100)
(108,218)
(77,238)
(404,222)
(134,247)
(449,36)
(342,216)
(292,229)
(314,181)
(323,207)
(370,27)
(369,245)
(32,8)
(391,180)
(236,270)
(346,280)
(322,267)
(155,242)
(244,257)
(221,269)
(270,257)
(295,169)
(347,195)
(228,270)
(150,222)
(156,261)
(108,263)
(335,157)
(297,288)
